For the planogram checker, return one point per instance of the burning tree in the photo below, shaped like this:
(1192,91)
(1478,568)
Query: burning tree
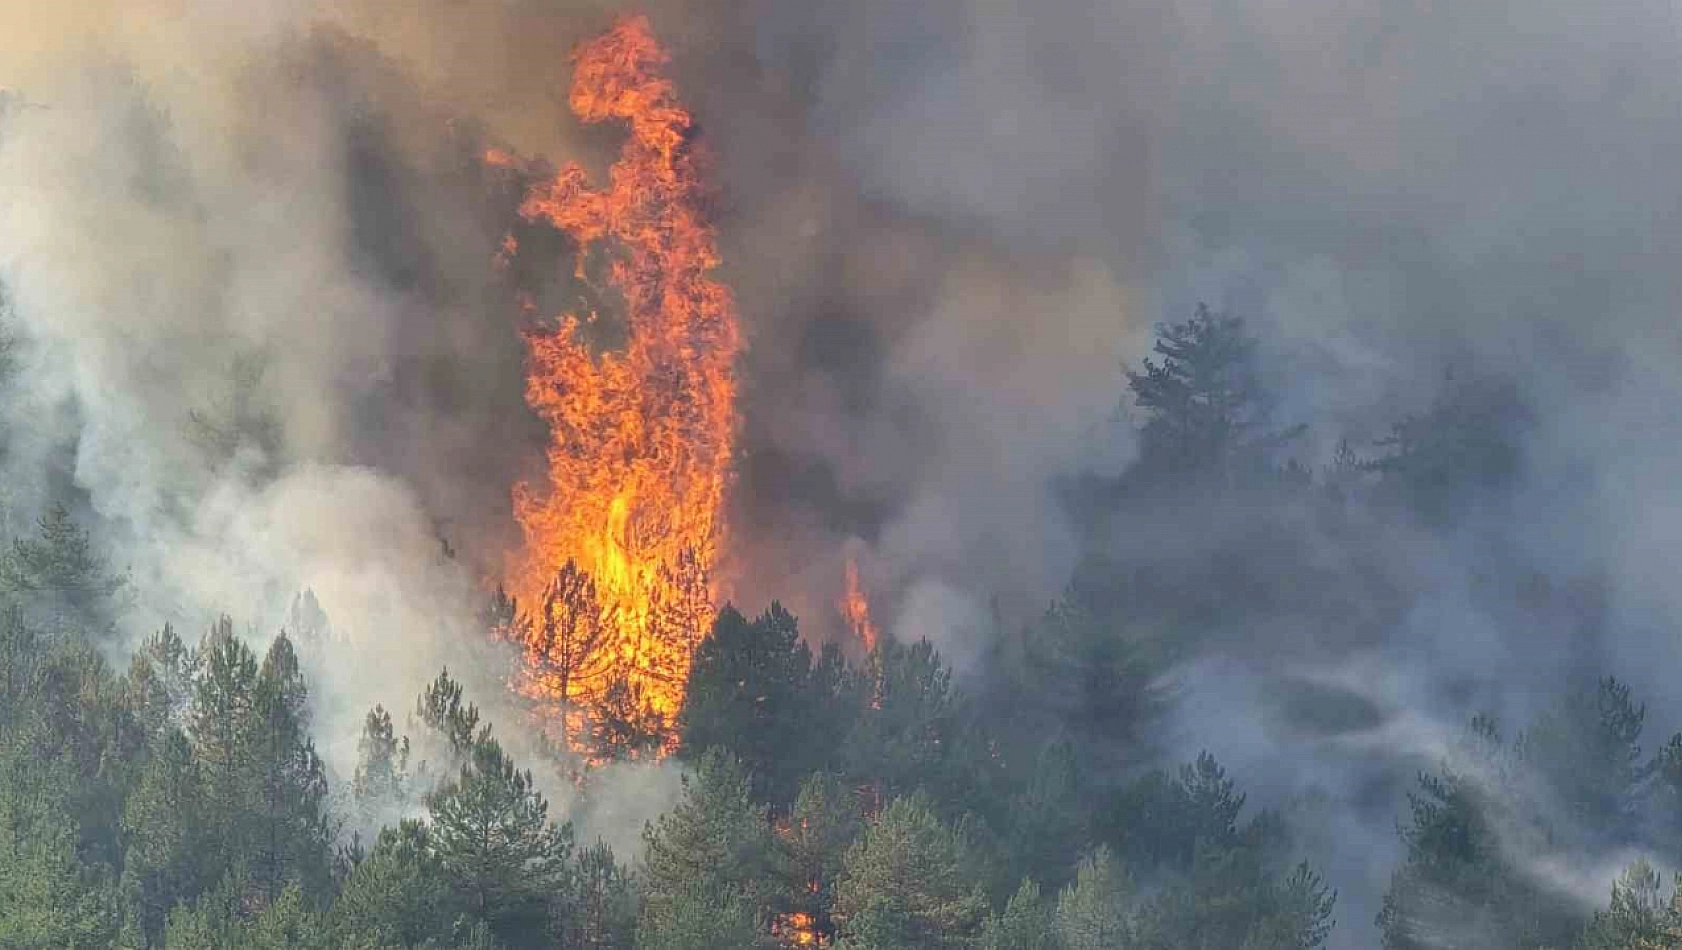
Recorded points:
(855,609)
(563,656)
(641,436)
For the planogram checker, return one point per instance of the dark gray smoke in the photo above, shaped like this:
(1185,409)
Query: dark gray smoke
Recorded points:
(948,223)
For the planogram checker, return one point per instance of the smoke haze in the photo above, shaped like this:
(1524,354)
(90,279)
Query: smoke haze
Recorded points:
(948,225)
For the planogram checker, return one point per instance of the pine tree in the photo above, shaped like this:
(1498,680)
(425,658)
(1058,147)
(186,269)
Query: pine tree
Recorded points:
(496,847)
(381,780)
(221,717)
(397,894)
(1025,923)
(439,710)
(1087,677)
(1296,914)
(1456,879)
(600,909)
(621,725)
(749,694)
(1586,751)
(309,625)
(901,740)
(680,613)
(22,657)
(63,583)
(74,717)
(265,788)
(563,651)
(714,849)
(1049,824)
(48,898)
(160,681)
(1467,443)
(696,916)
(821,827)
(290,923)
(219,921)
(1159,821)
(1206,409)
(1639,918)
(164,840)
(909,883)
(293,834)
(1092,912)
(1664,803)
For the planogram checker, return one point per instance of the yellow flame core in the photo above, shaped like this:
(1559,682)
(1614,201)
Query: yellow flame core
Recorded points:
(619,542)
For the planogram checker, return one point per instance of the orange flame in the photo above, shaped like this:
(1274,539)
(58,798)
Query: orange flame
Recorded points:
(498,158)
(618,545)
(855,609)
(797,930)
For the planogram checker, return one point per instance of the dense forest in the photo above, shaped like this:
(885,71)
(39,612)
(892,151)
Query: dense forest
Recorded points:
(170,794)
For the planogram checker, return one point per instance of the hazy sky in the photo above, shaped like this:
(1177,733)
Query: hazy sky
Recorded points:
(948,223)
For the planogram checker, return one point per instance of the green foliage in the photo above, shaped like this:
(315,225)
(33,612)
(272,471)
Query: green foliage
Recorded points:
(398,894)
(495,846)
(1160,821)
(1585,751)
(165,841)
(222,713)
(1206,409)
(62,583)
(824,822)
(193,811)
(48,897)
(1466,444)
(1299,914)
(308,623)
(749,694)
(1639,918)
(22,657)
(1084,675)
(1092,912)
(1025,923)
(1457,878)
(160,681)
(1051,822)
(294,832)
(910,882)
(264,788)
(381,780)
(697,916)
(1219,881)
(599,911)
(439,709)
(711,854)
(901,740)
(1665,797)
(184,803)
(222,920)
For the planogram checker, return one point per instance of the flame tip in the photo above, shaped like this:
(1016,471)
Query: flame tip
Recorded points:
(641,438)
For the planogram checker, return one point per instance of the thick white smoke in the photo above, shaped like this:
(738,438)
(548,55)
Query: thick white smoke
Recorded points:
(948,223)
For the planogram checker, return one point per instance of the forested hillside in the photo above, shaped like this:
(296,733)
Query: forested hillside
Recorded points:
(171,794)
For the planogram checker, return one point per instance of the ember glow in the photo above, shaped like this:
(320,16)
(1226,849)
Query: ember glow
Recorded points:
(798,930)
(612,578)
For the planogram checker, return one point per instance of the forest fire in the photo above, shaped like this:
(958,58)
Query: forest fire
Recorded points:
(855,609)
(798,930)
(618,544)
